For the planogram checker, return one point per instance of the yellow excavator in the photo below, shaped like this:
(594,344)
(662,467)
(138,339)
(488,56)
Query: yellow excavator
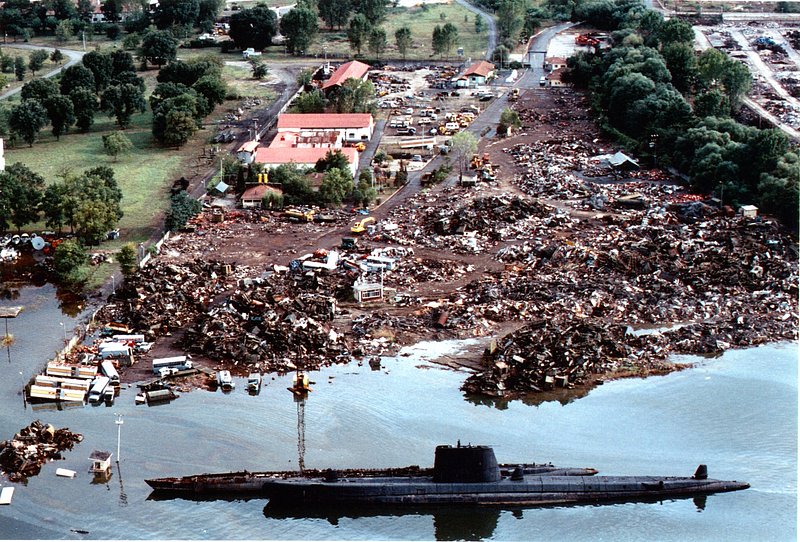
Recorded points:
(361,225)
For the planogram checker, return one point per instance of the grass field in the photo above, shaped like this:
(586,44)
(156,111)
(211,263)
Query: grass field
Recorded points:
(421,20)
(142,174)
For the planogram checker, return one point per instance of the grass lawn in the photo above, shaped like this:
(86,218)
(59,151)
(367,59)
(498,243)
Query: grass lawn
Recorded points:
(142,174)
(421,20)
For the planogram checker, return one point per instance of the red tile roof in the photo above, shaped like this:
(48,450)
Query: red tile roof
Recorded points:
(316,121)
(481,68)
(353,69)
(259,191)
(286,155)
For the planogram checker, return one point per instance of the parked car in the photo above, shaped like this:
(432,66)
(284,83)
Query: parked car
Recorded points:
(417,158)
(407,131)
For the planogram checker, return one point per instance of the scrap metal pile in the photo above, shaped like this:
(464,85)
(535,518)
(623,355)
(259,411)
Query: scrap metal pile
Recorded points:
(471,224)
(35,445)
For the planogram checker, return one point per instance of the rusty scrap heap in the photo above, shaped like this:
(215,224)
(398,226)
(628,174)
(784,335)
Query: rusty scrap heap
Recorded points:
(35,445)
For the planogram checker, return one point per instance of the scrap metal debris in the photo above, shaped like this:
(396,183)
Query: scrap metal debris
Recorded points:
(35,445)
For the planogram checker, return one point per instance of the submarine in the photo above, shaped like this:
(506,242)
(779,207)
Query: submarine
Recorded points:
(470,475)
(253,484)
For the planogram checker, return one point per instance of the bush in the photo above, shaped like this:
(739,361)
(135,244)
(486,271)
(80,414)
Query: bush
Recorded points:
(69,262)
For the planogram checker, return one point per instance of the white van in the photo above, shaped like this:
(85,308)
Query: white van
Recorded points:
(98,388)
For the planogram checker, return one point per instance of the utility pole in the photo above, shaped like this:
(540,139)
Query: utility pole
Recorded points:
(119,423)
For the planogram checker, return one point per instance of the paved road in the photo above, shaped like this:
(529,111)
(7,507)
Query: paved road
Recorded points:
(490,25)
(701,40)
(73,57)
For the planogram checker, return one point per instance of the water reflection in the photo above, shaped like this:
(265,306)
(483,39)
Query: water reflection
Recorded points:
(563,396)
(459,523)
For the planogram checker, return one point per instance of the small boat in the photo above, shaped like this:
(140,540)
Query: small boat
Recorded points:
(254,383)
(470,475)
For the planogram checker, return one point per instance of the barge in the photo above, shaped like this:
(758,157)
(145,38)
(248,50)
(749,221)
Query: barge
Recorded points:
(470,475)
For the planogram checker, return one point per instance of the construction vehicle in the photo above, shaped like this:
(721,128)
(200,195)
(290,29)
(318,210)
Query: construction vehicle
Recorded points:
(349,243)
(361,225)
(299,215)
(514,95)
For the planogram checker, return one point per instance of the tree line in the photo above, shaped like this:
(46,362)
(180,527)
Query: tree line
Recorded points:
(660,98)
(87,203)
(186,93)
(22,19)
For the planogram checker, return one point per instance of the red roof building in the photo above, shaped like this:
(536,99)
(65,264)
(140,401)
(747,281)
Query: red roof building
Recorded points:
(478,73)
(352,126)
(273,157)
(253,196)
(349,70)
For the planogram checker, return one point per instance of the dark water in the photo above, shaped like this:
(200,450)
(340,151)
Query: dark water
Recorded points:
(737,413)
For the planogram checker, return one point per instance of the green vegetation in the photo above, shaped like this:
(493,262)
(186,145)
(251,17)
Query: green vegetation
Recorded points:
(636,100)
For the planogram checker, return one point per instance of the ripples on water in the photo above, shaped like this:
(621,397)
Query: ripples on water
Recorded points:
(737,413)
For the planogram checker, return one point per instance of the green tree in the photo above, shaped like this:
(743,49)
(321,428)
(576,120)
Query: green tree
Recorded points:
(52,205)
(61,113)
(101,66)
(334,12)
(39,89)
(69,260)
(126,257)
(182,208)
(122,101)
(254,27)
(63,31)
(121,62)
(377,41)
(21,189)
(260,69)
(176,12)
(180,126)
(75,77)
(681,63)
(358,32)
(19,68)
(36,60)
(510,19)
(336,184)
(93,220)
(116,143)
(56,57)
(112,9)
(479,24)
(508,119)
(675,31)
(158,47)
(714,68)
(309,102)
(354,96)
(299,27)
(27,119)
(463,145)
(332,160)
(213,89)
(373,10)
(402,38)
(187,103)
(85,105)
(713,103)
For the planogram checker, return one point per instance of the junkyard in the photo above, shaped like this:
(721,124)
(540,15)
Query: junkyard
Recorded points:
(601,269)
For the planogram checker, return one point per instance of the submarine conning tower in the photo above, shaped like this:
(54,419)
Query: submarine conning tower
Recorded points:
(465,464)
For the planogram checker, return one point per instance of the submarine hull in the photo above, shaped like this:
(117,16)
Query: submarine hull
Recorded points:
(530,491)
